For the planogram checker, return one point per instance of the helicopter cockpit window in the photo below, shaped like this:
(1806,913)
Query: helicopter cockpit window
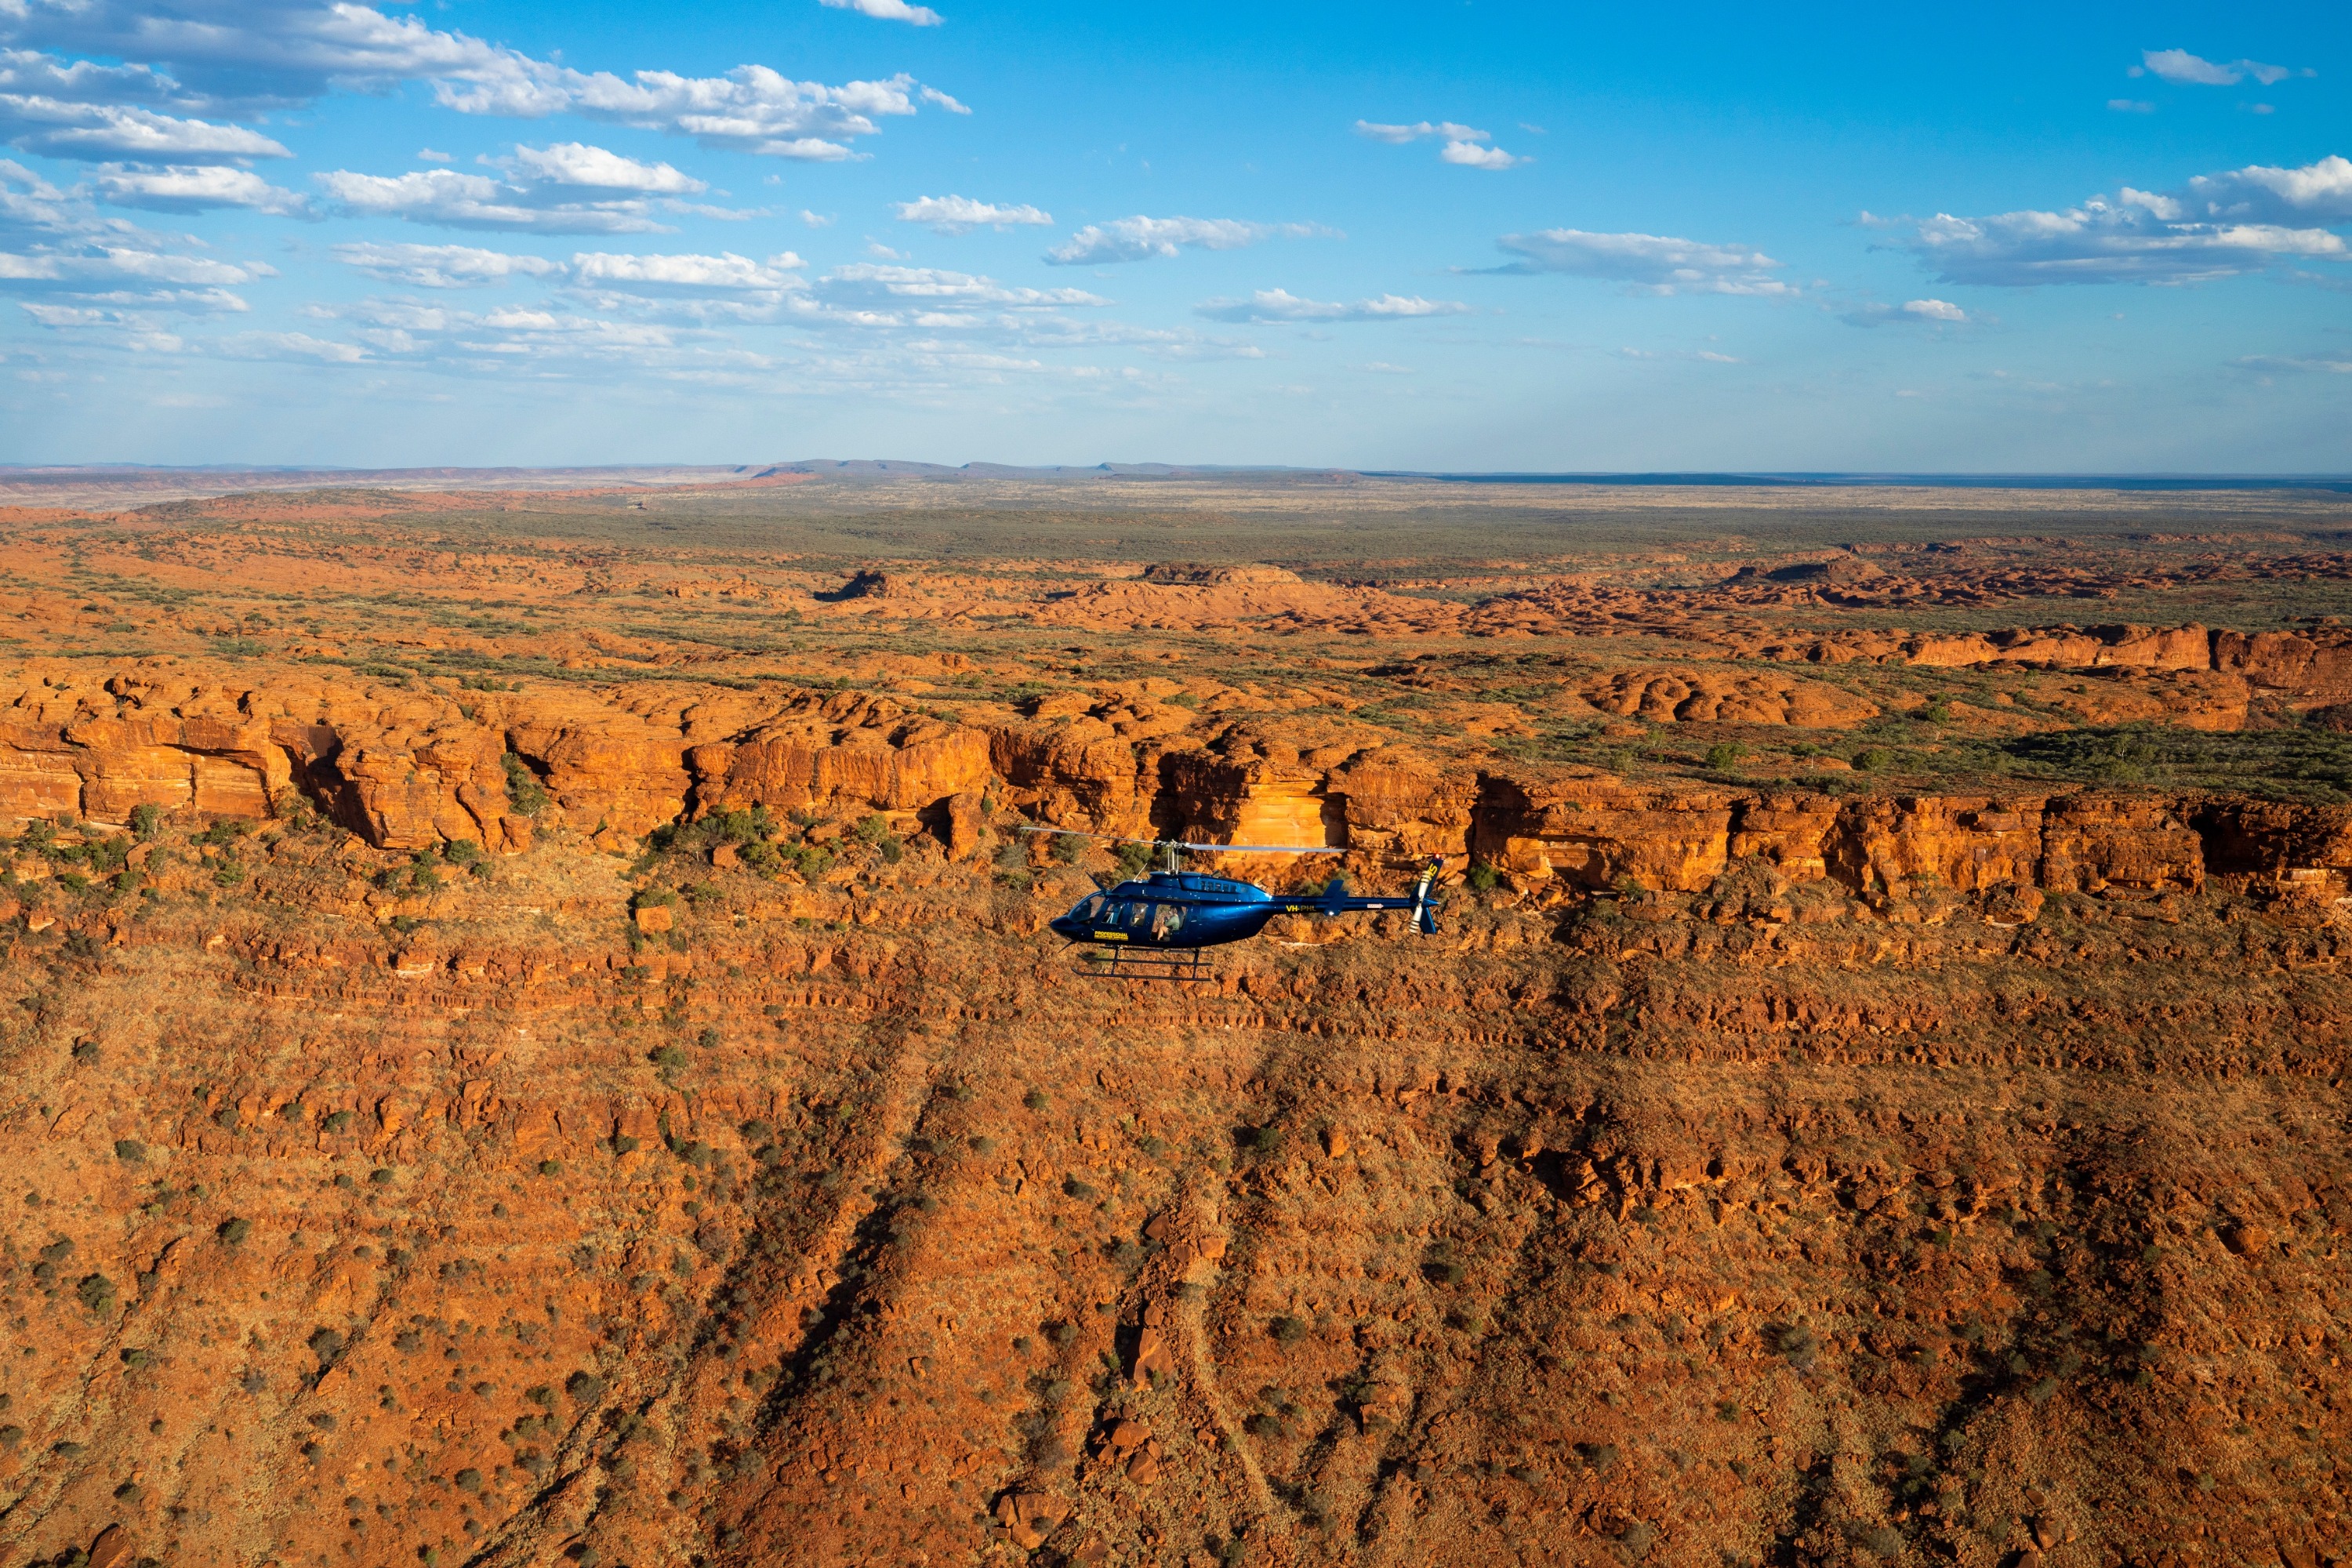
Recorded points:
(1089,907)
(1139,914)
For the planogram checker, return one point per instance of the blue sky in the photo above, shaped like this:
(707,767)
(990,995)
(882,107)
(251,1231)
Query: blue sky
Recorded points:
(1464,237)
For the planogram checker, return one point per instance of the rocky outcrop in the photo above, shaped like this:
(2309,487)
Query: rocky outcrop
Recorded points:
(407,770)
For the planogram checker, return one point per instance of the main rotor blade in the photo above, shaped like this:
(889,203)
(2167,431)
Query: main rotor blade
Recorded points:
(1183,844)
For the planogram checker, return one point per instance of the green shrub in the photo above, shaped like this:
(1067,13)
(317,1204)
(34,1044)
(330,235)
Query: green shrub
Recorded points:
(335,1121)
(130,1151)
(146,821)
(97,1293)
(1725,754)
(524,792)
(1873,759)
(233,1231)
(1287,1329)
(1482,878)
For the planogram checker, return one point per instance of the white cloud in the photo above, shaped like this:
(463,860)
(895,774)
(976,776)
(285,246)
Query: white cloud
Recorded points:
(1463,144)
(1144,239)
(2189,70)
(751,109)
(816,219)
(2131,106)
(932,285)
(199,189)
(285,347)
(452,200)
(961,214)
(68,252)
(2325,363)
(246,55)
(2219,225)
(1941,311)
(2332,365)
(442,266)
(428,155)
(889,11)
(57,129)
(1281,305)
(725,273)
(1471,155)
(576,165)
(1398,135)
(1703,356)
(2318,192)
(1651,263)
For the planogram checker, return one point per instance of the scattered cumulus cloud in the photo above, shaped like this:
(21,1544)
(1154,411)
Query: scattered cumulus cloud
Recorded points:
(1146,238)
(2131,106)
(1935,311)
(1648,263)
(1700,356)
(1463,144)
(2329,364)
(98,133)
(726,273)
(451,200)
(428,155)
(238,59)
(2217,226)
(285,346)
(1281,305)
(568,188)
(961,214)
(2320,192)
(928,284)
(2191,70)
(889,11)
(442,266)
(574,165)
(199,189)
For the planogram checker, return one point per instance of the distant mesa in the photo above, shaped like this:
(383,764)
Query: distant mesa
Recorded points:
(1845,569)
(872,584)
(1195,574)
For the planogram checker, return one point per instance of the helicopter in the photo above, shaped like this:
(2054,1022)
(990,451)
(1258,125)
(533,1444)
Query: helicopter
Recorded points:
(1160,928)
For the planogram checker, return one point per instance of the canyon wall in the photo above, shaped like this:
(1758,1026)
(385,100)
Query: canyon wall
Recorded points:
(409,770)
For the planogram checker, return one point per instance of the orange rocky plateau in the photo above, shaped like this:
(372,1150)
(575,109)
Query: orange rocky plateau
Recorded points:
(509,1064)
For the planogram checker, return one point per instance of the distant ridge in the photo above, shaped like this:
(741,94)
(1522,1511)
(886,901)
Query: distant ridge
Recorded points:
(113,486)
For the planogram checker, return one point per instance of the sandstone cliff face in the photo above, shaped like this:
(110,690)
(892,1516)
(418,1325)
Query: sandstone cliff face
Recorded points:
(407,770)
(2312,666)
(850,1228)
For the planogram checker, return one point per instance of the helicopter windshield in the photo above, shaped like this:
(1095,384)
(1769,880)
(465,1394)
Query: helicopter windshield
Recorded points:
(1087,907)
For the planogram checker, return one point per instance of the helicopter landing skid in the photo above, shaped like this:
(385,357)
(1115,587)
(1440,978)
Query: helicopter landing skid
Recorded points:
(1184,966)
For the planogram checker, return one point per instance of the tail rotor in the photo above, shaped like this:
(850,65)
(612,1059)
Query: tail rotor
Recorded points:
(1426,904)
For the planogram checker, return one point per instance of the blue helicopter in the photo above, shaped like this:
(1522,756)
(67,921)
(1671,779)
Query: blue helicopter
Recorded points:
(1158,929)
